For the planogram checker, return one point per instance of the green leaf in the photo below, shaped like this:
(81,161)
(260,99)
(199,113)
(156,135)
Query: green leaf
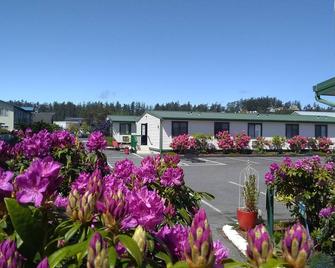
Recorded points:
(163,256)
(66,252)
(70,233)
(132,248)
(29,226)
(185,215)
(272,263)
(112,255)
(180,264)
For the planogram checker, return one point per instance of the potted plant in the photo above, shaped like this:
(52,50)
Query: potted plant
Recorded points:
(247,215)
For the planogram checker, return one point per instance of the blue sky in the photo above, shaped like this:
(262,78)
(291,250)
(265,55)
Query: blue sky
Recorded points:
(165,50)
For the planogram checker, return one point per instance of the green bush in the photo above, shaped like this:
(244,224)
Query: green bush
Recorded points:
(201,142)
(278,143)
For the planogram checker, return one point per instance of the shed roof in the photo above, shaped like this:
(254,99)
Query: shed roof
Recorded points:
(123,118)
(212,116)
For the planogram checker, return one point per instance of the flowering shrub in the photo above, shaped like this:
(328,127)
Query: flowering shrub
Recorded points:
(183,143)
(306,181)
(128,216)
(261,144)
(201,142)
(278,142)
(241,141)
(225,141)
(324,144)
(298,143)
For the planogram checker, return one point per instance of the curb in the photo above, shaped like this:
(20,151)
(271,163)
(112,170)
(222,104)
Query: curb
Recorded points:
(238,241)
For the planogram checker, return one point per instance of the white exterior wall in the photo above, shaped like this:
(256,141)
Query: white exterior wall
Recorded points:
(153,130)
(8,119)
(116,130)
(269,129)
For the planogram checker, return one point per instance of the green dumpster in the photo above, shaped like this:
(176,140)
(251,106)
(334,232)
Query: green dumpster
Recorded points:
(133,142)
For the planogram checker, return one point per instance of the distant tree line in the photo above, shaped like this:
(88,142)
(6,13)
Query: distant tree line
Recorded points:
(95,112)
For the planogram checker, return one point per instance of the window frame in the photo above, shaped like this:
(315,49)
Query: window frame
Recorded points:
(254,124)
(173,134)
(129,127)
(320,125)
(286,130)
(221,122)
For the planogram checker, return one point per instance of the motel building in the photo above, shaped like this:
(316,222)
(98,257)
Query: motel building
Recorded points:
(155,129)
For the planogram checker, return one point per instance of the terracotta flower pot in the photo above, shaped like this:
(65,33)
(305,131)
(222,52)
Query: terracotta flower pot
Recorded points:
(246,219)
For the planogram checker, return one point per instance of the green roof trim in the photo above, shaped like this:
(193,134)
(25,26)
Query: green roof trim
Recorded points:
(326,88)
(212,116)
(123,118)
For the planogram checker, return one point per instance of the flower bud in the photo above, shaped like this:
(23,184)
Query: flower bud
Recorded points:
(44,263)
(114,208)
(296,246)
(97,252)
(139,237)
(259,248)
(81,208)
(9,256)
(199,250)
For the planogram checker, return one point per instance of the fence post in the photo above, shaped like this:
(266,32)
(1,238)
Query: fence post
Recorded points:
(270,210)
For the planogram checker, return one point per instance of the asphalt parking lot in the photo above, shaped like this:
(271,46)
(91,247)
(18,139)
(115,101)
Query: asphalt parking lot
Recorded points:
(220,176)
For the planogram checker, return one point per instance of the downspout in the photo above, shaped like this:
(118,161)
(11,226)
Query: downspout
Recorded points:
(160,137)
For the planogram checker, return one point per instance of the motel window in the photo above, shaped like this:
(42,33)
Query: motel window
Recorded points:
(254,130)
(321,131)
(220,126)
(179,128)
(292,130)
(125,128)
(3,112)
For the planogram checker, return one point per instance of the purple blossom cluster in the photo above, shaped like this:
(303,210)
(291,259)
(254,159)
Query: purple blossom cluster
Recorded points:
(308,165)
(36,145)
(96,141)
(326,212)
(122,199)
(40,180)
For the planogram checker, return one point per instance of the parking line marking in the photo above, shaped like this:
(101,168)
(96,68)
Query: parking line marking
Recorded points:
(242,160)
(211,206)
(211,161)
(117,157)
(184,164)
(140,156)
(237,184)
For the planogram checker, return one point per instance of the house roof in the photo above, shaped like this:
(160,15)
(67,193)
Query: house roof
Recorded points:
(123,118)
(212,116)
(317,113)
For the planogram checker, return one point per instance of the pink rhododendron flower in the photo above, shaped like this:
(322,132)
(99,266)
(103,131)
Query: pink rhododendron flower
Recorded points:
(38,181)
(62,139)
(60,201)
(225,140)
(80,184)
(6,186)
(326,212)
(37,145)
(172,177)
(96,141)
(183,143)
(220,252)
(175,238)
(146,208)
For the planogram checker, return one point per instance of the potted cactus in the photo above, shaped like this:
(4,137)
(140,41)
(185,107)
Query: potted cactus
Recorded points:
(247,215)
